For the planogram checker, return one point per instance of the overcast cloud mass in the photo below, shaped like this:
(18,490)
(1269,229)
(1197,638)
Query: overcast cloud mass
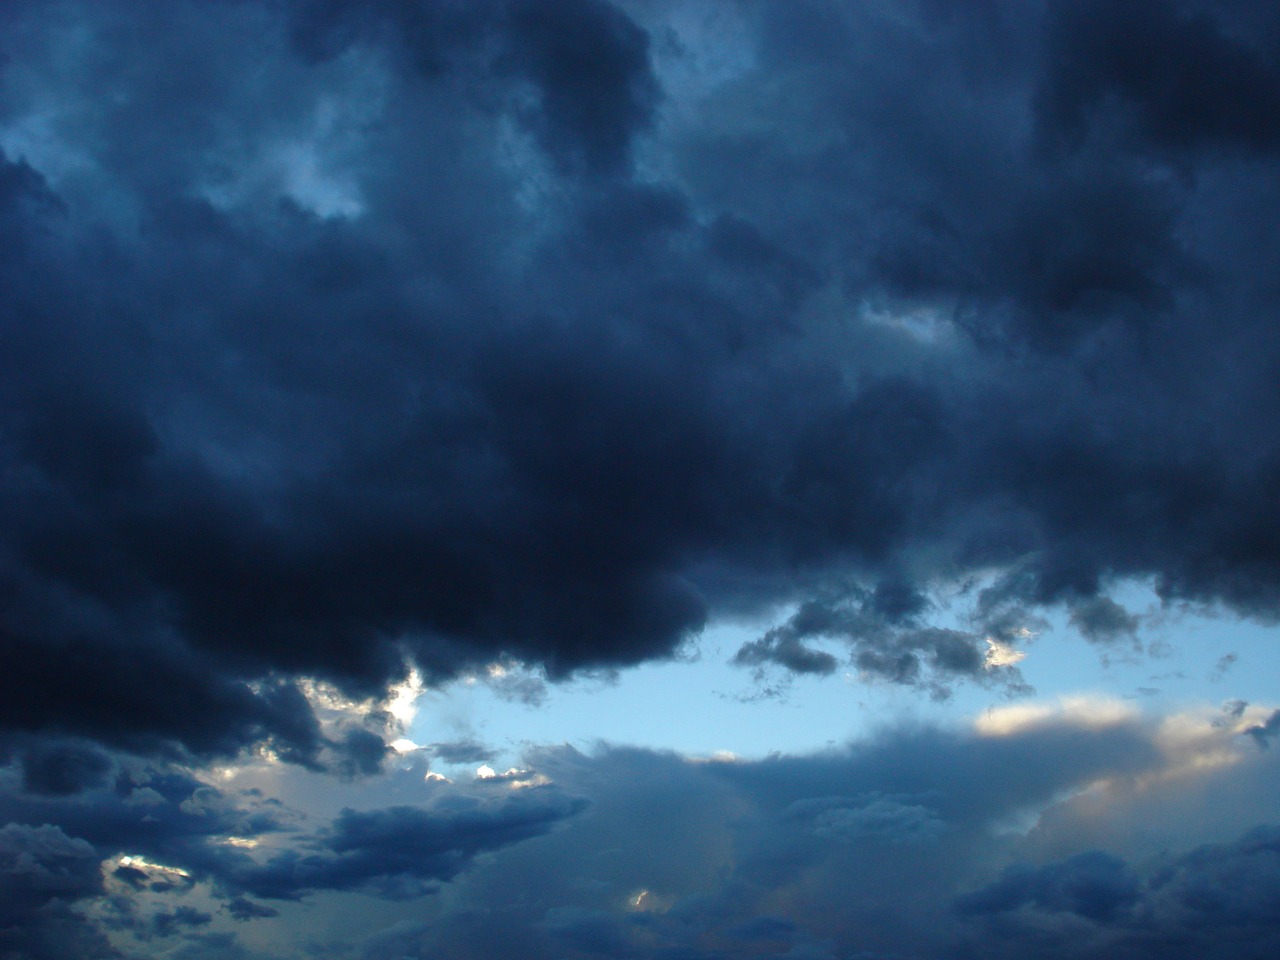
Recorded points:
(353,349)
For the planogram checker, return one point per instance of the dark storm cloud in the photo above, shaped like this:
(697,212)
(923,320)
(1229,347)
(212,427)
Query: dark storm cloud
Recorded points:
(461,751)
(1094,885)
(63,768)
(585,61)
(1062,835)
(1185,76)
(887,639)
(128,859)
(402,852)
(244,909)
(42,873)
(339,334)
(41,864)
(1214,901)
(1055,838)
(1102,620)
(162,816)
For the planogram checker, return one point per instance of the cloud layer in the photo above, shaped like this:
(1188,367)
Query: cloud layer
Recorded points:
(347,345)
(1067,831)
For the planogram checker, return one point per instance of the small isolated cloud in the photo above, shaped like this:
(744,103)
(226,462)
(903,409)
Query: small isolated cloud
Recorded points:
(1231,713)
(1225,663)
(1102,621)
(461,751)
(787,651)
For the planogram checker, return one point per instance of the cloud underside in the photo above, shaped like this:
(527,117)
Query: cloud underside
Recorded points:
(338,335)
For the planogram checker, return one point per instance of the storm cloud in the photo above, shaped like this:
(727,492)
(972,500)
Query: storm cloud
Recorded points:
(343,336)
(1027,837)
(352,346)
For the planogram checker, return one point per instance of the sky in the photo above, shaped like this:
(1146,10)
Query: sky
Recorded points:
(639,479)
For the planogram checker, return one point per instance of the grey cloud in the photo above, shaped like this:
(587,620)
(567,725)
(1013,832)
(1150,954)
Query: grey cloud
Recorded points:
(345,335)
(886,639)
(63,768)
(461,751)
(164,924)
(787,651)
(1215,900)
(42,864)
(1094,885)
(338,338)
(401,852)
(585,61)
(853,817)
(1224,664)
(161,815)
(169,818)
(361,752)
(1263,732)
(1101,620)
(242,908)
(902,844)
(43,872)
(898,846)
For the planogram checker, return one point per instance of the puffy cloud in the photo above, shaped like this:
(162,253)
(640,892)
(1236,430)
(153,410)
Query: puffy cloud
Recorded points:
(915,842)
(405,851)
(41,864)
(345,340)
(463,332)
(1217,900)
(63,768)
(888,642)
(1058,830)
(1093,885)
(1102,620)
(43,871)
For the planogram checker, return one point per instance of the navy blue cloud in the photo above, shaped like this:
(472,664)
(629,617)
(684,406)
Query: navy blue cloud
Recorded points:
(913,842)
(1214,901)
(343,336)
(402,852)
(43,872)
(1094,885)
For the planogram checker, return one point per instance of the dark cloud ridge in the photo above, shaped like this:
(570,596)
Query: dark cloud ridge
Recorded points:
(337,335)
